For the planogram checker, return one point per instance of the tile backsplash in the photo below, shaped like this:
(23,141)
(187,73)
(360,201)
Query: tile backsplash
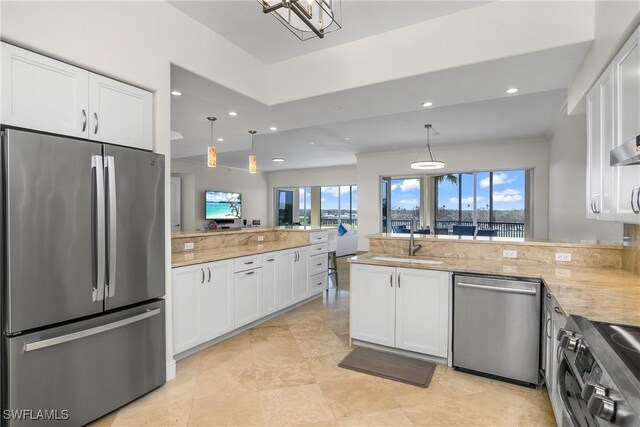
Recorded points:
(631,251)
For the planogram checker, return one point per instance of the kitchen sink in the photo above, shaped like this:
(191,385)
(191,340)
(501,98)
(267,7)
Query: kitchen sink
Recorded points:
(407,260)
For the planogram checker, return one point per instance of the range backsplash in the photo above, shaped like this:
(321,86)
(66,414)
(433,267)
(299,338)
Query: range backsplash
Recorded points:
(631,251)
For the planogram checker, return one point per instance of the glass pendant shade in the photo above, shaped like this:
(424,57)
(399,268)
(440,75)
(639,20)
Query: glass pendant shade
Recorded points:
(212,157)
(306,18)
(430,162)
(212,153)
(253,160)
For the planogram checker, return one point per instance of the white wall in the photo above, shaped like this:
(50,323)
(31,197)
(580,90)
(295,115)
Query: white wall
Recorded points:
(613,23)
(567,189)
(529,154)
(252,187)
(134,42)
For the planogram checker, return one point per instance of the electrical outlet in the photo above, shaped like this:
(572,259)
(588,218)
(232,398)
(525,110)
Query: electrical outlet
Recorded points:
(563,272)
(563,257)
(509,269)
(188,246)
(260,238)
(509,253)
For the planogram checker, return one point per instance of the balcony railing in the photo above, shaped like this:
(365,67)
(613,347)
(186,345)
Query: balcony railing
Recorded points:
(333,222)
(505,229)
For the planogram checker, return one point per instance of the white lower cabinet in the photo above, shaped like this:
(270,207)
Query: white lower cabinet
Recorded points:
(422,311)
(202,303)
(269,284)
(300,274)
(284,278)
(247,288)
(401,307)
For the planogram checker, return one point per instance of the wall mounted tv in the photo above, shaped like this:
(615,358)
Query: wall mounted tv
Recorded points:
(220,205)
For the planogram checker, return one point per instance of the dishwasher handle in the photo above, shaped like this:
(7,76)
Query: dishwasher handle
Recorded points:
(499,289)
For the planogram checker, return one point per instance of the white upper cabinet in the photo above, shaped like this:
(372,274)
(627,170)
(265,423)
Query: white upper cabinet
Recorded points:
(120,114)
(627,126)
(43,94)
(600,140)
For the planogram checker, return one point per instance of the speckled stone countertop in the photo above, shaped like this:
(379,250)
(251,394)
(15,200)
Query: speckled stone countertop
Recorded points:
(246,230)
(182,259)
(604,294)
(496,240)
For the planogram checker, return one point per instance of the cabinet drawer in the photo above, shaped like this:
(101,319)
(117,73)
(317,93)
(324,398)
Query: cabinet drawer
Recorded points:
(247,263)
(319,249)
(319,237)
(317,264)
(317,283)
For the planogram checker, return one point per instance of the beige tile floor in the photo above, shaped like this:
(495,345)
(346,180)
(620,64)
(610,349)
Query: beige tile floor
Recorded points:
(284,372)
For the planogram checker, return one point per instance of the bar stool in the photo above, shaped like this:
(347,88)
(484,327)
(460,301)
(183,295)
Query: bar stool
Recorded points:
(332,267)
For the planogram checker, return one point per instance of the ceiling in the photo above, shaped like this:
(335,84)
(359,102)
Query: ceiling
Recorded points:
(243,23)
(470,106)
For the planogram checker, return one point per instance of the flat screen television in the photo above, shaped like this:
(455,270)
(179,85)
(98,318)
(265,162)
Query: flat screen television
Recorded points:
(220,205)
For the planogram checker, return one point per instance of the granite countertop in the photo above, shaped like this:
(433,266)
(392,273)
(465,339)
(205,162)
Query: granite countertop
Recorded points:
(497,240)
(245,230)
(604,294)
(181,259)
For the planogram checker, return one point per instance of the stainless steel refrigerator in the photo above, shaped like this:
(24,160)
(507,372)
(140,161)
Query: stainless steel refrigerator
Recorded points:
(83,270)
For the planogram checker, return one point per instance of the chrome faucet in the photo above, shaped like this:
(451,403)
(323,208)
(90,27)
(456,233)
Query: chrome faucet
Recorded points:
(412,247)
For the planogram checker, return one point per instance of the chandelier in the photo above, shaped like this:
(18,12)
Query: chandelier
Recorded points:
(427,162)
(306,18)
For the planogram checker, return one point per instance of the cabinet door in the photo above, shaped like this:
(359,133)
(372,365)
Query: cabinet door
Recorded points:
(186,283)
(626,178)
(373,304)
(284,278)
(269,299)
(594,153)
(422,311)
(215,300)
(119,113)
(300,275)
(247,296)
(43,94)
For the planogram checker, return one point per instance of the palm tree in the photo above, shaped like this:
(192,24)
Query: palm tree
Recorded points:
(453,179)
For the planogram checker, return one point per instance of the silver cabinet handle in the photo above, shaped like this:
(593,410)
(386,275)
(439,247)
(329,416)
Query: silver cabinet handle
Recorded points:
(391,280)
(319,264)
(88,332)
(249,273)
(84,120)
(98,228)
(633,193)
(319,284)
(593,209)
(202,271)
(270,259)
(110,169)
(209,279)
(248,263)
(498,289)
(95,129)
(399,275)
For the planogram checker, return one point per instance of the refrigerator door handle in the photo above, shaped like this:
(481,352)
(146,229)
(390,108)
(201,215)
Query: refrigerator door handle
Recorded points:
(110,169)
(98,238)
(88,332)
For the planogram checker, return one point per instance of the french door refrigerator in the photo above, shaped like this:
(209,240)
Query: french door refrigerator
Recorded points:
(83,328)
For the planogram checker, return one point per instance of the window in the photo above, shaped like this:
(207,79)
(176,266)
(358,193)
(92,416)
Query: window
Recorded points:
(401,200)
(492,200)
(285,207)
(339,205)
(304,200)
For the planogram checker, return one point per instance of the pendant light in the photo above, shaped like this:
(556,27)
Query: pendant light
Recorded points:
(253,161)
(212,155)
(430,162)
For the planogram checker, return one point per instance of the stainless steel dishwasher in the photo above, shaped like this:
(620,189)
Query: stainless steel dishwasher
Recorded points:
(496,327)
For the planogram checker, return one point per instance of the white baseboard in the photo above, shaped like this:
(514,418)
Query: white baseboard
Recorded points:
(171,370)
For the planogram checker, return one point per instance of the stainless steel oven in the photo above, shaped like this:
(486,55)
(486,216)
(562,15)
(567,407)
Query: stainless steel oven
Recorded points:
(599,373)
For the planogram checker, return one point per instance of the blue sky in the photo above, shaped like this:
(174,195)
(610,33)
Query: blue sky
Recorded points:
(405,193)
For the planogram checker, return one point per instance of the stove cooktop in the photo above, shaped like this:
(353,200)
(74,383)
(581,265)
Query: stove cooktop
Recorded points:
(625,341)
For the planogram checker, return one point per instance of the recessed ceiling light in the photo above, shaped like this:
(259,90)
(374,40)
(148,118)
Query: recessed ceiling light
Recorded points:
(427,104)
(176,93)
(311,142)
(277,159)
(347,138)
(220,139)
(233,113)
(512,90)
(273,128)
